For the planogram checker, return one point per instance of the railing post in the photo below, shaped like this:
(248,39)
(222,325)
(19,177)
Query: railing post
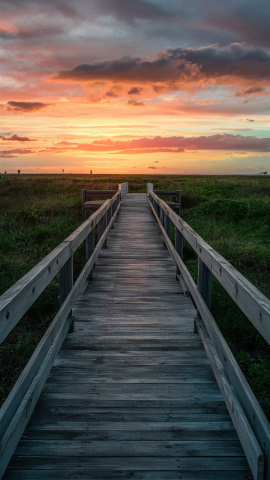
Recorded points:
(178,246)
(167,224)
(110,213)
(149,187)
(66,284)
(102,227)
(89,247)
(204,284)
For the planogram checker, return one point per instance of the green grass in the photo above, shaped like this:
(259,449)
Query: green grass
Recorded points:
(232,213)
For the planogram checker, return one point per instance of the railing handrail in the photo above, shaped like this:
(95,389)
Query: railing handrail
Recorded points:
(253,303)
(32,284)
(248,418)
(21,401)
(123,187)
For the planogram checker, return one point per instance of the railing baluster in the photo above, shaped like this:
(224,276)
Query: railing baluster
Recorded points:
(66,284)
(89,247)
(167,225)
(204,284)
(178,246)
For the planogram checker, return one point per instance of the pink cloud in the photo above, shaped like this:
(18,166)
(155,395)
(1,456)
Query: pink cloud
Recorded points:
(175,144)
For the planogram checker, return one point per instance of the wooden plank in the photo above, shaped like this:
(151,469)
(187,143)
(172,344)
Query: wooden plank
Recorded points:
(110,474)
(129,448)
(121,463)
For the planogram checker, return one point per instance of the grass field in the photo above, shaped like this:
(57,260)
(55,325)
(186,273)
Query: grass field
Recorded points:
(232,213)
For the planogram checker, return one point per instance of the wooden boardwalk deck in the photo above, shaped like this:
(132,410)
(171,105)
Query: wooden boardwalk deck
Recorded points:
(131,393)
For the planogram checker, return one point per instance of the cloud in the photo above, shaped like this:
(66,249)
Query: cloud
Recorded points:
(26,106)
(130,10)
(17,138)
(111,94)
(252,91)
(153,168)
(126,70)
(5,35)
(16,151)
(135,103)
(181,68)
(247,20)
(135,91)
(175,144)
(250,120)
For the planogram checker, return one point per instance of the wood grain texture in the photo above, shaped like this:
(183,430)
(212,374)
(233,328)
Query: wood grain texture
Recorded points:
(131,393)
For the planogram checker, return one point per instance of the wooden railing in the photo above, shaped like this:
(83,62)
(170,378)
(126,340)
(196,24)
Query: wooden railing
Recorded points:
(249,420)
(174,195)
(123,187)
(20,403)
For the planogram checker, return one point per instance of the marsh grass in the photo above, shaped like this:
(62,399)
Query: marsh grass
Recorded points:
(231,213)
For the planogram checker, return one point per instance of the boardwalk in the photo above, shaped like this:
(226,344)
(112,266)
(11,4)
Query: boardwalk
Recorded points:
(131,393)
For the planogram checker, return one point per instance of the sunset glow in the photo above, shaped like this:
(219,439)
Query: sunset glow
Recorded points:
(135,86)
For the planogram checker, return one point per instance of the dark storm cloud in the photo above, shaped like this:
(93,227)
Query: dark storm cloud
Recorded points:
(248,20)
(26,106)
(125,69)
(234,60)
(179,65)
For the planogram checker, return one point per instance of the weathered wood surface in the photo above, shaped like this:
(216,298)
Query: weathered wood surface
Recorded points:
(131,393)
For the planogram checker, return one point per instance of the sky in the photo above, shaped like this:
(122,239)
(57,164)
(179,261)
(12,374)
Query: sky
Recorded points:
(135,86)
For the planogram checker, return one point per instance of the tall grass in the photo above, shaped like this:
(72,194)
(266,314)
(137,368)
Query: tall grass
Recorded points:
(231,213)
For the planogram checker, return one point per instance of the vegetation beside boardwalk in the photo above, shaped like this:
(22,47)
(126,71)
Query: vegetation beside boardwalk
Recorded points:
(232,213)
